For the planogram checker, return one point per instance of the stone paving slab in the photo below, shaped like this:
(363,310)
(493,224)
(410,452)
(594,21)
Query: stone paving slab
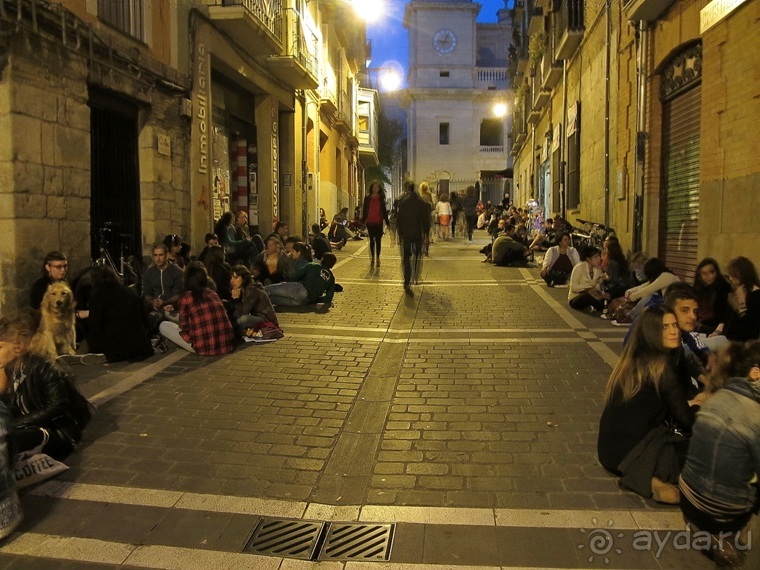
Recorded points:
(483,391)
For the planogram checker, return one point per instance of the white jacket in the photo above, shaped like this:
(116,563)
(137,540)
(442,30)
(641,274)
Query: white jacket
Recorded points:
(552,255)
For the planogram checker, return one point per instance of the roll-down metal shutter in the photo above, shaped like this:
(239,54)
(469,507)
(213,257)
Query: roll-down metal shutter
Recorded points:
(679,199)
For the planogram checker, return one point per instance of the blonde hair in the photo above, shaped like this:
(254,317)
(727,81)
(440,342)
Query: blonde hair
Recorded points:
(644,357)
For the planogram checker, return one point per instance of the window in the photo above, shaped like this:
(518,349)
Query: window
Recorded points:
(124,15)
(443,74)
(443,133)
(491,132)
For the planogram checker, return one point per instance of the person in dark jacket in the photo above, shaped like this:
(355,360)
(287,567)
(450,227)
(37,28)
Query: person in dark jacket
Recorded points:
(312,283)
(319,243)
(413,226)
(55,267)
(47,409)
(118,319)
(643,392)
(374,213)
(219,271)
(470,207)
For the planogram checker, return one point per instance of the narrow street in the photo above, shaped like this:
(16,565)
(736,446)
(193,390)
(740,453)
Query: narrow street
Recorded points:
(467,415)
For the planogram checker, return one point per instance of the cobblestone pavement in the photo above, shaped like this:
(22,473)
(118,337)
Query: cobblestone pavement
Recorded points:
(466,414)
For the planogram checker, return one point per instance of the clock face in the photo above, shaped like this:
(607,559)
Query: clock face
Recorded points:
(444,41)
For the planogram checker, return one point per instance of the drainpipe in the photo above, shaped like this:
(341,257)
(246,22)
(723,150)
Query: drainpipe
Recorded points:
(563,145)
(642,62)
(607,116)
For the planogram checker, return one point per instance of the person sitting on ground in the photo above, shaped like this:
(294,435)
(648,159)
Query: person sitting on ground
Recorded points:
(11,512)
(300,254)
(162,285)
(242,251)
(312,283)
(242,231)
(219,271)
(256,238)
(323,223)
(559,262)
(118,323)
(643,392)
(174,246)
(718,482)
(211,240)
(204,327)
(617,276)
(507,250)
(55,267)
(545,238)
(586,282)
(47,409)
(337,234)
(250,303)
(713,290)
(280,232)
(274,264)
(658,277)
(319,243)
(743,321)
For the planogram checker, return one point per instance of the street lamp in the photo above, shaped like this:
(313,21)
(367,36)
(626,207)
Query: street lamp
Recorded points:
(369,11)
(500,110)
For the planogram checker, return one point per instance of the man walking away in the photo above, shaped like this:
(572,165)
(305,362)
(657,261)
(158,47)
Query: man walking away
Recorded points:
(413,225)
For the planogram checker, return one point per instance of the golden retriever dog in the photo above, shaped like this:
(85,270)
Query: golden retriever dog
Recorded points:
(56,334)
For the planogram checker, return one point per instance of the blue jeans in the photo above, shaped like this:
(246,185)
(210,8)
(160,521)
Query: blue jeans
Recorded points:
(288,294)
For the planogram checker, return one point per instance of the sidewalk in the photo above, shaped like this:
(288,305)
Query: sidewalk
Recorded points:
(466,415)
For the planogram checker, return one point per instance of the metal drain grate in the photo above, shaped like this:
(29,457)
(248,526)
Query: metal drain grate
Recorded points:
(357,541)
(285,537)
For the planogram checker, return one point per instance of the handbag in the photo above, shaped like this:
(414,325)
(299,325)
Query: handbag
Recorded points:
(270,330)
(33,466)
(619,308)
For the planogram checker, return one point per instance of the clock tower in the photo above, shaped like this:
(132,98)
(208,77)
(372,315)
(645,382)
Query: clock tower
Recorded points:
(457,75)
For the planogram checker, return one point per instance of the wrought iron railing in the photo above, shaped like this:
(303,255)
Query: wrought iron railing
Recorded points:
(302,43)
(267,12)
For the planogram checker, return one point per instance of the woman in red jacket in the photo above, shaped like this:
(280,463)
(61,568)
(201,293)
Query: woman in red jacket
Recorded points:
(374,213)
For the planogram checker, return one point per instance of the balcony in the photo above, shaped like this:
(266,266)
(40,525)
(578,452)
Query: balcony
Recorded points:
(551,72)
(486,77)
(568,28)
(536,23)
(541,98)
(646,10)
(297,66)
(492,149)
(344,116)
(256,25)
(367,126)
(328,101)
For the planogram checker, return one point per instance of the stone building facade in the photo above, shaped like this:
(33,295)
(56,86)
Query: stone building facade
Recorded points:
(638,115)
(91,134)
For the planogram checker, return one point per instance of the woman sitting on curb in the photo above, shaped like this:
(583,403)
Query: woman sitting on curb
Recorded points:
(203,327)
(585,292)
(719,486)
(250,302)
(643,395)
(559,261)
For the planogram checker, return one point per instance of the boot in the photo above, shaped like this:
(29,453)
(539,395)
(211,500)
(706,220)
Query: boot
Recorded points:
(665,492)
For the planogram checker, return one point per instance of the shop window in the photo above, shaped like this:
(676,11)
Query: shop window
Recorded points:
(443,133)
(125,15)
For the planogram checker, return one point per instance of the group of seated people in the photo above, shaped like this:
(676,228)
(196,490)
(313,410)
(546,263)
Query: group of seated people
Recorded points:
(202,304)
(651,436)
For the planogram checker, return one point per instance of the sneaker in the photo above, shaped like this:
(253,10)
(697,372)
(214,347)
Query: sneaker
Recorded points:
(408,290)
(589,309)
(605,315)
(550,283)
(92,359)
(620,324)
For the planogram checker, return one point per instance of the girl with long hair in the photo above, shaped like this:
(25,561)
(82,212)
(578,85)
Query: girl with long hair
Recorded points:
(374,213)
(743,322)
(203,327)
(713,290)
(642,394)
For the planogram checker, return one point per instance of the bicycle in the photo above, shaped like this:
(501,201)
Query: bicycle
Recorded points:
(590,233)
(129,268)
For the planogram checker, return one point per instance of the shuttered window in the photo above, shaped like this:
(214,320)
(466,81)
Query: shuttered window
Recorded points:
(679,199)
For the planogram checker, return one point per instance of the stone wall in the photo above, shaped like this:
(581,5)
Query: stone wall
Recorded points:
(45,158)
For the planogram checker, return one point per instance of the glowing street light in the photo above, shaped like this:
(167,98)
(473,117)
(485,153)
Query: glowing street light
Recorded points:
(389,79)
(500,110)
(369,11)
